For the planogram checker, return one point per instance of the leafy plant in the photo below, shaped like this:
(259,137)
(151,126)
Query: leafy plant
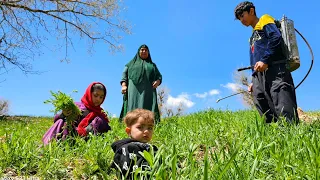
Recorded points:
(64,102)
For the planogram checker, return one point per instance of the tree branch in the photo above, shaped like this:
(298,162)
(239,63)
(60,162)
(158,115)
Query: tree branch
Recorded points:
(22,22)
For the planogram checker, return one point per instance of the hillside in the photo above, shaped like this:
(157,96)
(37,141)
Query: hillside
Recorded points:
(205,145)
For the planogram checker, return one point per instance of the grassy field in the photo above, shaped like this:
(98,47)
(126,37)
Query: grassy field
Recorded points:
(206,145)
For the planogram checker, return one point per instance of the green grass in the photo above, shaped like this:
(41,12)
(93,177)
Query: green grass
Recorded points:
(205,145)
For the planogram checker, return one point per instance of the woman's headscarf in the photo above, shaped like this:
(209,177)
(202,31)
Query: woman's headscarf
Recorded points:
(94,110)
(137,72)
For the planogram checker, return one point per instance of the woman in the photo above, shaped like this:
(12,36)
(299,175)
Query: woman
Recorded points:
(139,81)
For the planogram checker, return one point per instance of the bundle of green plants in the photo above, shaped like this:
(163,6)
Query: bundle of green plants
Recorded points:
(64,102)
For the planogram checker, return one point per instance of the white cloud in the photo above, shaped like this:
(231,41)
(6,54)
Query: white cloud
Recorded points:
(232,86)
(114,115)
(182,99)
(214,92)
(203,95)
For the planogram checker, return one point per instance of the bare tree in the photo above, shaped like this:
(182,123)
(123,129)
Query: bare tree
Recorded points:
(242,79)
(4,107)
(162,96)
(166,111)
(177,111)
(161,99)
(26,24)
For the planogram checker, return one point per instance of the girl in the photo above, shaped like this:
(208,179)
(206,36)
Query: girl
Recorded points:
(92,119)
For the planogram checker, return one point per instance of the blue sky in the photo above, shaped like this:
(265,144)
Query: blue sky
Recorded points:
(197,45)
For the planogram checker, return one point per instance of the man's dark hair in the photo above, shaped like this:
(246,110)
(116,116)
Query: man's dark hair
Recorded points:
(243,7)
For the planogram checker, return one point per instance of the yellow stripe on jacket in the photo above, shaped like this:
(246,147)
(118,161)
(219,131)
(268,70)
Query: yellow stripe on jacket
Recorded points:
(264,20)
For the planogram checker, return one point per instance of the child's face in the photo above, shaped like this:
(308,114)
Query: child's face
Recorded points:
(97,97)
(141,131)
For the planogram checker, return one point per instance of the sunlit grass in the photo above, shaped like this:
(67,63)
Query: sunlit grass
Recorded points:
(205,145)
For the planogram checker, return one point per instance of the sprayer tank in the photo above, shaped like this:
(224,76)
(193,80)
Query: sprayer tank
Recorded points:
(291,47)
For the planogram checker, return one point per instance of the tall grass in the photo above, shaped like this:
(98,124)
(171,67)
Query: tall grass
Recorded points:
(205,145)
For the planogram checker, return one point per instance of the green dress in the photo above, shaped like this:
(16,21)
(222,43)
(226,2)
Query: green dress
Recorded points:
(139,75)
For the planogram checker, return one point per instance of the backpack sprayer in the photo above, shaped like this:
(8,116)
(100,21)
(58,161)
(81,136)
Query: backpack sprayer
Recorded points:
(289,48)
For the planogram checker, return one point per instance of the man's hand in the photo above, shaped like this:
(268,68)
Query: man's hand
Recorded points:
(260,66)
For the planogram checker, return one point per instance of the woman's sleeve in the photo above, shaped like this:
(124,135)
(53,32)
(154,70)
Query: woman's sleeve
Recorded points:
(124,75)
(158,74)
(58,116)
(98,125)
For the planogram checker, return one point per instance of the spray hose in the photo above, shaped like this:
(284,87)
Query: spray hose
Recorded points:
(312,60)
